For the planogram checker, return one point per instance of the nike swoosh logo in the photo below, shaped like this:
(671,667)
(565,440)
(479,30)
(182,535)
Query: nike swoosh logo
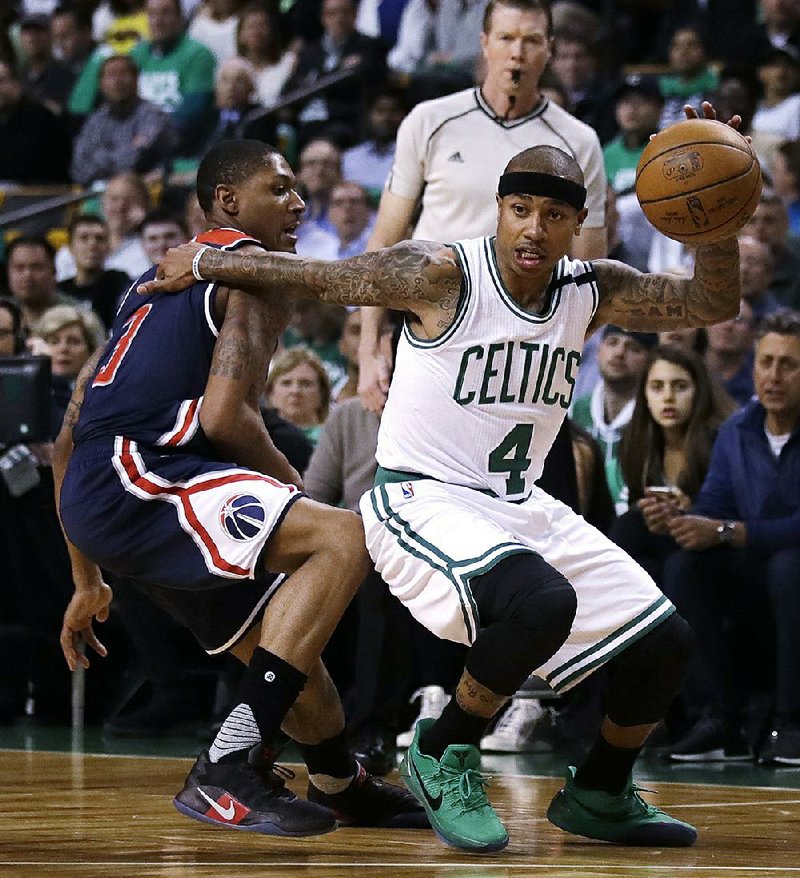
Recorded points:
(434,803)
(225,813)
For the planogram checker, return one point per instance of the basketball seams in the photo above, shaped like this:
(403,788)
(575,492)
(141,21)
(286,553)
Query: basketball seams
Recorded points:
(705,188)
(724,227)
(746,149)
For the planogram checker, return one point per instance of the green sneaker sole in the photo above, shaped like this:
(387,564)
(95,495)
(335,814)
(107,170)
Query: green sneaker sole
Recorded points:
(450,838)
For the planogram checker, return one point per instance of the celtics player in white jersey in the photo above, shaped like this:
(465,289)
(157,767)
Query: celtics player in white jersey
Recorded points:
(456,526)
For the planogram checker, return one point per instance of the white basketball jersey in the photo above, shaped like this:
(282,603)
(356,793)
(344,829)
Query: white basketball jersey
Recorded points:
(481,405)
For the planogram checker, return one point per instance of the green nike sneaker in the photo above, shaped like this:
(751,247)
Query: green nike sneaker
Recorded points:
(621,819)
(452,793)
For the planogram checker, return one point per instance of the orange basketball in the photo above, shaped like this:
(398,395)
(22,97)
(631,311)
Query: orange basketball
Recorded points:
(698,181)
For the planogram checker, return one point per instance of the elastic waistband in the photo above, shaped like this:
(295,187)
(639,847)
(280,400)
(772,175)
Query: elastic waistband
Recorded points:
(385,476)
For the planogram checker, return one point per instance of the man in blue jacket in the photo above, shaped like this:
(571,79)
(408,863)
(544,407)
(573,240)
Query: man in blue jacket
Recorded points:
(740,558)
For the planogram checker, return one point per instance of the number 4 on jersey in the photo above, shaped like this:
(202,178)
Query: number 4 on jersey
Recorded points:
(511,456)
(108,371)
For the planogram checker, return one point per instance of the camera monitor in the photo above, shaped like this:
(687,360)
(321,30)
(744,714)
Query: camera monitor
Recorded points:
(24,400)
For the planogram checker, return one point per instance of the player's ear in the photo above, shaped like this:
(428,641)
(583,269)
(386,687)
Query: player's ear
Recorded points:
(227,199)
(579,220)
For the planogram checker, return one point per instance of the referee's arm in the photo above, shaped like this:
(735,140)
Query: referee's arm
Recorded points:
(391,226)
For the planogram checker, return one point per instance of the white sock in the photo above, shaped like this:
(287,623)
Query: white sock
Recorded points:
(331,785)
(238,732)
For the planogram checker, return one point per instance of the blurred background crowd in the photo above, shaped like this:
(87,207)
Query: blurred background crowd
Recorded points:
(107,106)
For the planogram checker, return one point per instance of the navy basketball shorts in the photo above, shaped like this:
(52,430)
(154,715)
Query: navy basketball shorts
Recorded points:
(180,525)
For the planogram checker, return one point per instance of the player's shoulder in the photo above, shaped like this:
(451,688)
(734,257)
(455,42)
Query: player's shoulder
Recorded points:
(227,239)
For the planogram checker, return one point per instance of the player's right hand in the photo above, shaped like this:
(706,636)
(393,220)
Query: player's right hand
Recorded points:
(86,604)
(373,381)
(174,272)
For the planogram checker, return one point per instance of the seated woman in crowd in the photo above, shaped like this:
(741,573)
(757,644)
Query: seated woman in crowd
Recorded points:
(69,336)
(665,451)
(259,41)
(299,390)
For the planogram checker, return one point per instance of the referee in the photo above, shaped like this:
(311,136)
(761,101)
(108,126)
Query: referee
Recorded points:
(451,151)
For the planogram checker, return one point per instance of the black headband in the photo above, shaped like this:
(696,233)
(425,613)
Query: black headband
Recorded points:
(546,185)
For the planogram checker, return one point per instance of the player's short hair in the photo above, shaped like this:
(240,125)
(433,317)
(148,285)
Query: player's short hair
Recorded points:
(546,160)
(228,164)
(523,6)
(782,322)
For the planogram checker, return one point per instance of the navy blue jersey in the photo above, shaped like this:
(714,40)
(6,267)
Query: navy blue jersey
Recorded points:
(149,383)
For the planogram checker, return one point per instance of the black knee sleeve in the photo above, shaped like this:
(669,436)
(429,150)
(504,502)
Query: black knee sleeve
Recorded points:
(644,678)
(526,609)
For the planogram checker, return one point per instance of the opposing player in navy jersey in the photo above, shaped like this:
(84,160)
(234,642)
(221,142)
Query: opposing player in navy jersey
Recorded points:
(165,474)
(456,524)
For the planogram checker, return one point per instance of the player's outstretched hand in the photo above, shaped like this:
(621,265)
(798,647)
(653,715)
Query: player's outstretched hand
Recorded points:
(710,113)
(86,604)
(174,271)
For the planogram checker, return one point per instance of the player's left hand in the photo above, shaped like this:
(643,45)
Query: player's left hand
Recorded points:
(87,604)
(174,271)
(694,532)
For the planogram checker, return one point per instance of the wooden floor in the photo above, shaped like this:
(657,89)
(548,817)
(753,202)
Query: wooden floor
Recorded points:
(112,817)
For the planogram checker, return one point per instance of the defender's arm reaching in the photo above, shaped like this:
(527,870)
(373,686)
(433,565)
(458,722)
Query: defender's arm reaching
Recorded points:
(417,276)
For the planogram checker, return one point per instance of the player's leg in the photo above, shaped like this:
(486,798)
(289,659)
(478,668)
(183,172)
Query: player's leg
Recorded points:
(465,576)
(336,781)
(323,549)
(624,621)
(526,609)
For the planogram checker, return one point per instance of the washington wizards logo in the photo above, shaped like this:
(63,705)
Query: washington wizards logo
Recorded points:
(242,517)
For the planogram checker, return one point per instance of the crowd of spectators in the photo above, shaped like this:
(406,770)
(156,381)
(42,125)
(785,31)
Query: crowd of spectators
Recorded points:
(116,101)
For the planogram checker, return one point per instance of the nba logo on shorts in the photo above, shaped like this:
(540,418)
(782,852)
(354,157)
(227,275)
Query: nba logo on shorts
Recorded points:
(242,517)
(408,489)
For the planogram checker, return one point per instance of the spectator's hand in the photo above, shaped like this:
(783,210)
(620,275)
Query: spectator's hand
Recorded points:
(174,271)
(694,532)
(88,602)
(350,61)
(373,381)
(657,513)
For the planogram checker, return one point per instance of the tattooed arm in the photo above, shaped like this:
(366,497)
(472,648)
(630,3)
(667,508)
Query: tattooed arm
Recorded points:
(92,596)
(230,415)
(657,302)
(417,276)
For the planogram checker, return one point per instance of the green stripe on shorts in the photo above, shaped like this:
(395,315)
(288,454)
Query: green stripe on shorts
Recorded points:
(579,666)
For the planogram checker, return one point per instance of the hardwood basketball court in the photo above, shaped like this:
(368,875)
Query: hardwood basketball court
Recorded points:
(96,816)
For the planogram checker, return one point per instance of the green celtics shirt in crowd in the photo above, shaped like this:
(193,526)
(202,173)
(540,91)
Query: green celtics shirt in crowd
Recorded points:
(169,78)
(588,412)
(179,78)
(621,162)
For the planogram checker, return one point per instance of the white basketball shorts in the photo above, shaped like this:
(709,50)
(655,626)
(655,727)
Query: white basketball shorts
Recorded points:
(428,539)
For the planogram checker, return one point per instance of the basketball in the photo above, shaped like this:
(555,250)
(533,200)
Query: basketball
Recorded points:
(698,181)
